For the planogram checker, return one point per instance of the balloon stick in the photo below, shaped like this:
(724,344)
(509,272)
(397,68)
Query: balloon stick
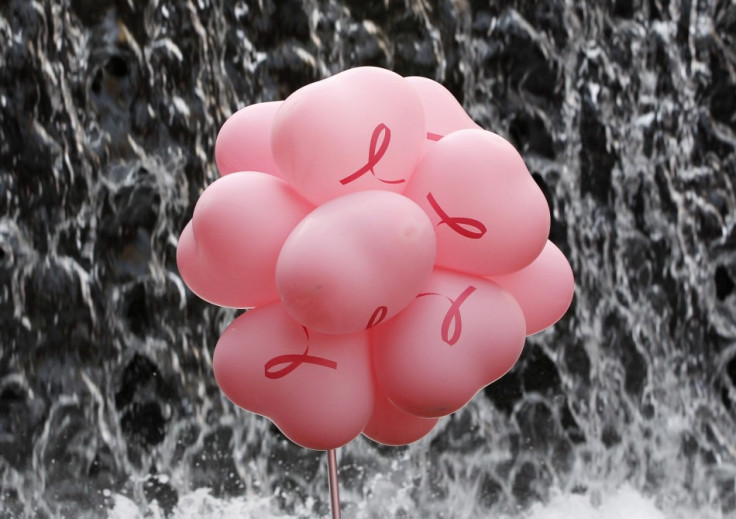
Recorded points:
(334,489)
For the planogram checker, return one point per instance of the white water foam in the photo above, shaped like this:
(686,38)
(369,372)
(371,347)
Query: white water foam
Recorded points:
(201,504)
(624,503)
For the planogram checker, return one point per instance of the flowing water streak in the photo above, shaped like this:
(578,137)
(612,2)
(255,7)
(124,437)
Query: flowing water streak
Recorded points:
(108,114)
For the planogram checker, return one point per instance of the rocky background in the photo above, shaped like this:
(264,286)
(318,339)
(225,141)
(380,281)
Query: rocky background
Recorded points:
(625,112)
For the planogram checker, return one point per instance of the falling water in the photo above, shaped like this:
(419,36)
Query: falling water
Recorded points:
(625,114)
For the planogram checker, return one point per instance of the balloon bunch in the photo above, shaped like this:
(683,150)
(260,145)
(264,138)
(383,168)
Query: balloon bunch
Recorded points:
(396,255)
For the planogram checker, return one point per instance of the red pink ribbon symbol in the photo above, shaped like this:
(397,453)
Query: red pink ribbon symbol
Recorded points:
(293,361)
(375,153)
(378,315)
(475,229)
(452,319)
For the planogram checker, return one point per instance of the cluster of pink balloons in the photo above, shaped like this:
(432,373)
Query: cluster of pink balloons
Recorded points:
(395,254)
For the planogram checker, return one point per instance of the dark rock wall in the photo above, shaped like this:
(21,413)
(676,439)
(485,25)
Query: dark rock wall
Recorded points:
(625,112)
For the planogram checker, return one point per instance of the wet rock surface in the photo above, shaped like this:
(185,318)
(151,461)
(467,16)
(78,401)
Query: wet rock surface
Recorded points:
(626,117)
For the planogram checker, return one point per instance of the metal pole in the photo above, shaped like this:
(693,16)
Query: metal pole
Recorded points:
(334,489)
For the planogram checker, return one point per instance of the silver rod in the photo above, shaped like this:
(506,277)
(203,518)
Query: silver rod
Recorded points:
(334,489)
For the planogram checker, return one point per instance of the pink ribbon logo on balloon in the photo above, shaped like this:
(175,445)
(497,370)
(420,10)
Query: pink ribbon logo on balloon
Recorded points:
(375,153)
(350,260)
(378,315)
(452,319)
(475,229)
(294,361)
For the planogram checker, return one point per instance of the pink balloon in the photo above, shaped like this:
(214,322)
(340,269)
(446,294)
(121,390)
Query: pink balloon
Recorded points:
(316,388)
(390,425)
(489,215)
(358,130)
(442,112)
(227,253)
(459,335)
(244,141)
(543,289)
(355,261)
